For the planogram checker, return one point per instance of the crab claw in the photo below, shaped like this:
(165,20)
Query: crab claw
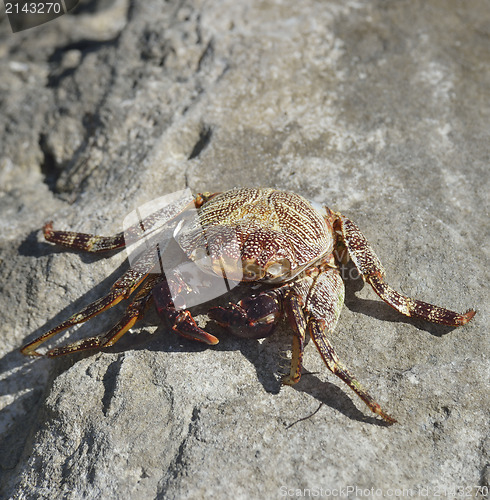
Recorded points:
(180,320)
(184,325)
(252,318)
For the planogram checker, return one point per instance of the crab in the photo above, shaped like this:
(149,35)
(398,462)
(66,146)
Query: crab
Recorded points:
(286,249)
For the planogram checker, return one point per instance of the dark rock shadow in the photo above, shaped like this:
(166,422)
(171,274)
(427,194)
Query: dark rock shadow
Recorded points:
(265,356)
(25,370)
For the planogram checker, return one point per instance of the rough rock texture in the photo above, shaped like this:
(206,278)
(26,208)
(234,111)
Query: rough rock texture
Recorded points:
(380,109)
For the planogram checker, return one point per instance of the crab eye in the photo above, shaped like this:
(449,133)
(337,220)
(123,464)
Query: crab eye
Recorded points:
(199,253)
(280,268)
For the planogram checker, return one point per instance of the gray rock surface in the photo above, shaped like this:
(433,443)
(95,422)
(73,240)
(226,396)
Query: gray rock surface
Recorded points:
(380,109)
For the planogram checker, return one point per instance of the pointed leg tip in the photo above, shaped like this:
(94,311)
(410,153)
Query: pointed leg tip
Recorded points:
(48,228)
(199,335)
(29,352)
(467,316)
(289,380)
(389,420)
(202,336)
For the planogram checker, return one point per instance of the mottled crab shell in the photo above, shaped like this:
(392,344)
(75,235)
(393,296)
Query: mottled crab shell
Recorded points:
(256,234)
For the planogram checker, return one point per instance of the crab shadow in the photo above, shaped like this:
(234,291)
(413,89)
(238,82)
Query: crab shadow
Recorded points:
(265,355)
(27,380)
(381,310)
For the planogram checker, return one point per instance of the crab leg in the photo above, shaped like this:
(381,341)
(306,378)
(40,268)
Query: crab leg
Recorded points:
(373,272)
(317,332)
(321,297)
(297,320)
(181,320)
(121,289)
(94,244)
(82,241)
(133,313)
(417,308)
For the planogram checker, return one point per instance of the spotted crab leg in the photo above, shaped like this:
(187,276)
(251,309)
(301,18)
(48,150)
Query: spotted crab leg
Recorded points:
(319,300)
(373,272)
(294,311)
(317,332)
(124,286)
(83,241)
(121,289)
(94,244)
(134,312)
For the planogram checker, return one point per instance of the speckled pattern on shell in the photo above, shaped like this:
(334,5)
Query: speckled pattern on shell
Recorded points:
(263,226)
